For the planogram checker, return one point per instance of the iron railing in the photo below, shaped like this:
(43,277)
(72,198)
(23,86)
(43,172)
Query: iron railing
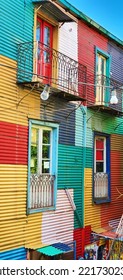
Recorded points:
(41,191)
(39,61)
(100,185)
(100,89)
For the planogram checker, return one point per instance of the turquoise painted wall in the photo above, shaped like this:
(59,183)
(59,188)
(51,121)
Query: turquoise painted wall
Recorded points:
(16,27)
(70,175)
(101,122)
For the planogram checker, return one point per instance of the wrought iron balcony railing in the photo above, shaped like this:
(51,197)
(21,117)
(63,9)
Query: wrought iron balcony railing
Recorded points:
(105,92)
(39,62)
(41,191)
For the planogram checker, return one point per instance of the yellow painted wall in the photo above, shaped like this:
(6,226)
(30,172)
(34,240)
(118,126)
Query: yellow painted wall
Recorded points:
(16,228)
(92,211)
(11,94)
(33,231)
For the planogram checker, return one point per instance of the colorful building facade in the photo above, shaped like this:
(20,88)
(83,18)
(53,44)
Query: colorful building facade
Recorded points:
(58,147)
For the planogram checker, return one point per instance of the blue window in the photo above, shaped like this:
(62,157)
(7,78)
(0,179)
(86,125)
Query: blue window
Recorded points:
(42,165)
(101,189)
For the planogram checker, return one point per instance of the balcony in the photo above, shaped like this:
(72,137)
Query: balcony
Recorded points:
(40,64)
(105,94)
(41,191)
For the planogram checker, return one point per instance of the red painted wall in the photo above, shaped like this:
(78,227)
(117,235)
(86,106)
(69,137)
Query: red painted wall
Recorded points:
(88,39)
(13,143)
(113,210)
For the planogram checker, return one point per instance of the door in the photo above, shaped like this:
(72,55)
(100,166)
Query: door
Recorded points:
(44,37)
(100,74)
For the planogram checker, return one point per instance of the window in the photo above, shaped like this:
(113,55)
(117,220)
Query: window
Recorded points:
(43,144)
(101,168)
(102,77)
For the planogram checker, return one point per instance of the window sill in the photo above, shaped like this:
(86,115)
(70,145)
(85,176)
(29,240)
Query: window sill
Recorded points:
(101,200)
(38,210)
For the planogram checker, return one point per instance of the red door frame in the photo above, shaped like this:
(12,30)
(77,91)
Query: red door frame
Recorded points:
(44,61)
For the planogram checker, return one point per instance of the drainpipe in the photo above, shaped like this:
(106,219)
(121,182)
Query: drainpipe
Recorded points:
(84,112)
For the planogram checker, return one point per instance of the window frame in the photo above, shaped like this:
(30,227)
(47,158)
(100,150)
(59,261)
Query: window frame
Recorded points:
(107,57)
(98,200)
(54,165)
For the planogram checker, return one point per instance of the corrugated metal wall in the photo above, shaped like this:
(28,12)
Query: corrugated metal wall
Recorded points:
(17,33)
(11,95)
(87,40)
(68,40)
(12,233)
(114,210)
(58,225)
(58,110)
(13,160)
(116,61)
(33,230)
(16,254)
(70,152)
(99,215)
(92,211)
(13,143)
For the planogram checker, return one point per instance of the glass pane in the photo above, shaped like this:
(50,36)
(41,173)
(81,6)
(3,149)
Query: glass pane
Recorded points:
(46,137)
(45,152)
(100,144)
(34,150)
(99,167)
(33,166)
(34,135)
(99,155)
(47,36)
(45,166)
(38,32)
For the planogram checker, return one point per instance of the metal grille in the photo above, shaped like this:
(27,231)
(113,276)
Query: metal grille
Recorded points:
(37,60)
(41,191)
(102,86)
(100,185)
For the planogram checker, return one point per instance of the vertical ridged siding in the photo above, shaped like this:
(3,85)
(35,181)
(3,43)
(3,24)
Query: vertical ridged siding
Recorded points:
(17,33)
(58,226)
(17,254)
(92,211)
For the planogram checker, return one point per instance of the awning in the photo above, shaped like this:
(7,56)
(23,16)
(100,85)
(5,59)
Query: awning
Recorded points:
(49,251)
(54,11)
(54,249)
(106,232)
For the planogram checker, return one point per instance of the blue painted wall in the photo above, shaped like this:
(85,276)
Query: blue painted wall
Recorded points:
(17,254)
